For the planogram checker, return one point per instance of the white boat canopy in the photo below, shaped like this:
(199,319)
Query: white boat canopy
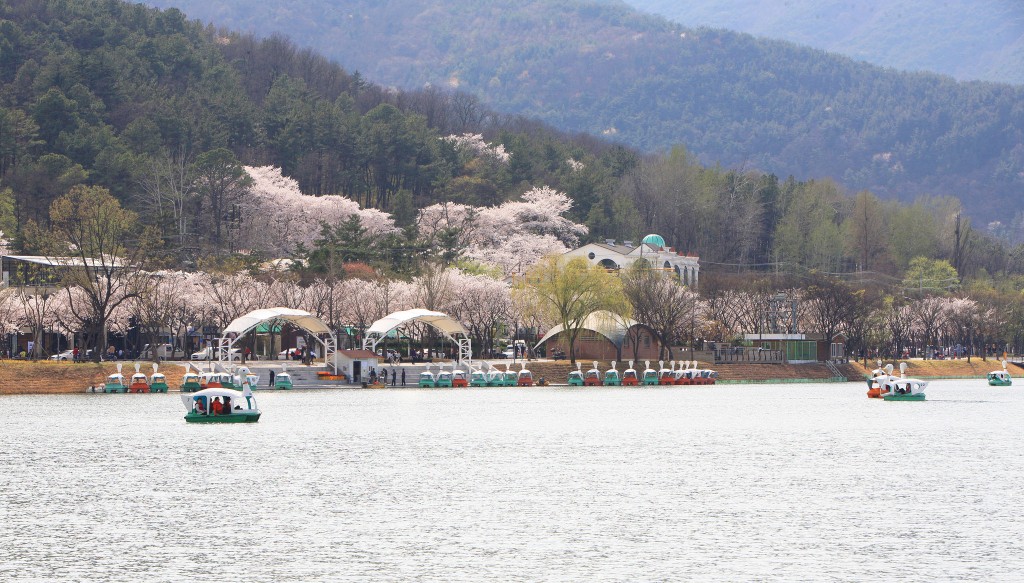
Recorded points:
(442,322)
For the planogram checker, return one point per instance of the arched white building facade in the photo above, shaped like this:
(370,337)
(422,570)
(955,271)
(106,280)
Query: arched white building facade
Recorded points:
(651,249)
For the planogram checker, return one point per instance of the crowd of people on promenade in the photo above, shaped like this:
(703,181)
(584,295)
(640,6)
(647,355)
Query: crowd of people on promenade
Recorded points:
(382,377)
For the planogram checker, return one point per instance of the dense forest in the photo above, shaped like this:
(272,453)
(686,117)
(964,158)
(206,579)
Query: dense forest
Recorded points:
(970,40)
(167,114)
(214,152)
(729,98)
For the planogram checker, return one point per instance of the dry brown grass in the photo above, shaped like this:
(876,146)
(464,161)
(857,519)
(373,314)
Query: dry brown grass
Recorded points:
(959,368)
(48,377)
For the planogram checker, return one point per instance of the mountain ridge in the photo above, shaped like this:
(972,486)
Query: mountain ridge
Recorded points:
(980,40)
(730,98)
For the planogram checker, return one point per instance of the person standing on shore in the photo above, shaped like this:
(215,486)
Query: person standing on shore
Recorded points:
(403,377)
(271,379)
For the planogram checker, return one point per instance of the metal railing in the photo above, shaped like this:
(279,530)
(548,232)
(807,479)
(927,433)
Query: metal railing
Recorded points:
(742,354)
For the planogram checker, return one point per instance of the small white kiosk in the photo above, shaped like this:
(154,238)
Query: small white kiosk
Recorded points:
(357,364)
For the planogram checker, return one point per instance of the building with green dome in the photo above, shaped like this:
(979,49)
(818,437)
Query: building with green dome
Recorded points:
(652,249)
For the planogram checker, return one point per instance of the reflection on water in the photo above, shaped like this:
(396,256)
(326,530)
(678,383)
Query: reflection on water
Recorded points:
(729,483)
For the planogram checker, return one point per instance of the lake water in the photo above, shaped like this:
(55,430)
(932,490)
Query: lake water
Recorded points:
(723,483)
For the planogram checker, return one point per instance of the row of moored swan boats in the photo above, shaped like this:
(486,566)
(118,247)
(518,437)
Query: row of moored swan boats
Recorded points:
(686,374)
(220,397)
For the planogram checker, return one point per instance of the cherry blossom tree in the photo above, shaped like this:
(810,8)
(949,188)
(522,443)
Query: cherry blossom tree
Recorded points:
(484,305)
(159,306)
(512,236)
(474,145)
(11,319)
(278,217)
(235,295)
(38,315)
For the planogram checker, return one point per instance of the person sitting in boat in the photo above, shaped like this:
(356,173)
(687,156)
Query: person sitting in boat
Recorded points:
(201,405)
(217,407)
(226,409)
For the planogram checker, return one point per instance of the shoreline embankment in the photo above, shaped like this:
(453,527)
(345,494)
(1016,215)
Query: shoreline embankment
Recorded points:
(44,377)
(48,377)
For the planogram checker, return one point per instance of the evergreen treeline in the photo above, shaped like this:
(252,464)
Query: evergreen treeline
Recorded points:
(164,112)
(967,39)
(729,98)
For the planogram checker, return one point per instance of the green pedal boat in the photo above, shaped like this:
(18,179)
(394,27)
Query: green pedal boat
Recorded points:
(903,388)
(221,405)
(1000,378)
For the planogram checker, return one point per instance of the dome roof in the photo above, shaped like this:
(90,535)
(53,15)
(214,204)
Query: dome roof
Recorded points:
(654,240)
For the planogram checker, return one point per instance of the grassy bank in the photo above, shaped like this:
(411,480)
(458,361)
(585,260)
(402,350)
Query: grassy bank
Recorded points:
(942,369)
(48,377)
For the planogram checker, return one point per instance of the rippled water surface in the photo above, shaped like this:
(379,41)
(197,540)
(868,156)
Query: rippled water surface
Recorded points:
(729,483)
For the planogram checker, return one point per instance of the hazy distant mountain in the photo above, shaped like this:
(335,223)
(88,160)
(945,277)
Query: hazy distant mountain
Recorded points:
(968,39)
(605,68)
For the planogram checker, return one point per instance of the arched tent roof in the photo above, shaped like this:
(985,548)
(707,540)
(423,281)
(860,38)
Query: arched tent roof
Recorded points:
(300,318)
(604,323)
(441,321)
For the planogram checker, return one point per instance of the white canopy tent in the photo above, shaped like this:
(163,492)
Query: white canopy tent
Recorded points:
(444,323)
(607,324)
(243,325)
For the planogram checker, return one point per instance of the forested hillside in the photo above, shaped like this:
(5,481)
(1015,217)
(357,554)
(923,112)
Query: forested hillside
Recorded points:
(165,113)
(230,146)
(729,98)
(968,39)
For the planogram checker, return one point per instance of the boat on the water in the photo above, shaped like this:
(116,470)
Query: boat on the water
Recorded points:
(158,381)
(525,377)
(283,380)
(576,376)
(877,378)
(666,376)
(427,380)
(702,376)
(190,383)
(116,382)
(611,377)
(683,375)
(444,379)
(252,380)
(902,388)
(221,405)
(478,378)
(593,377)
(213,380)
(650,375)
(139,382)
(629,378)
(509,378)
(1000,378)
(495,378)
